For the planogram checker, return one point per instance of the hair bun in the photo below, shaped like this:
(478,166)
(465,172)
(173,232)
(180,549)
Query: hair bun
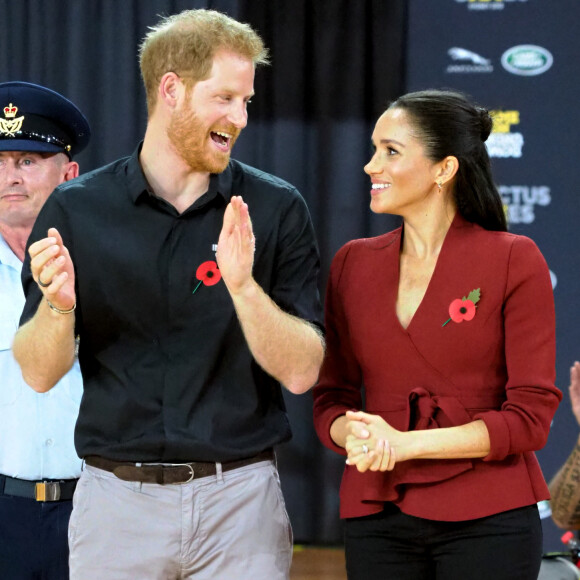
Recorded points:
(485,124)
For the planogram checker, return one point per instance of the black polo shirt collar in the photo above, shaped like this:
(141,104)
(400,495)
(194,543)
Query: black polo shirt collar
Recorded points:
(137,186)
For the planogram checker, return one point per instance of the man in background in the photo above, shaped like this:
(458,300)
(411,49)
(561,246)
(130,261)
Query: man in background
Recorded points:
(40,131)
(565,485)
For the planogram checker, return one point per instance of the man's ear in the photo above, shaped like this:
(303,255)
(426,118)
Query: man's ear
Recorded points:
(171,88)
(71,170)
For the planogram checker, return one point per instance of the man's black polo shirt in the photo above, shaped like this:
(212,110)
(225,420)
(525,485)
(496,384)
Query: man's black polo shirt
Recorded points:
(168,375)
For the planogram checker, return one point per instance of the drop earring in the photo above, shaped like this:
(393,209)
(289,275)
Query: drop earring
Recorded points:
(439,185)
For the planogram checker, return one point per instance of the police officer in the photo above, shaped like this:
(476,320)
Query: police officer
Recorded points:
(40,132)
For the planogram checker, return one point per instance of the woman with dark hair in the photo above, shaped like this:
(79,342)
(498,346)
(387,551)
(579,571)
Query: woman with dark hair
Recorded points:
(445,328)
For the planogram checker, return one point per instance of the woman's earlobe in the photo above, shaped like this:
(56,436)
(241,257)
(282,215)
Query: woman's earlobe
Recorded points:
(451,167)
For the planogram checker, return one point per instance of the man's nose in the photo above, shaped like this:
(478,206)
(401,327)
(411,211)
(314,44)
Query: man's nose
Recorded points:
(238,115)
(10,173)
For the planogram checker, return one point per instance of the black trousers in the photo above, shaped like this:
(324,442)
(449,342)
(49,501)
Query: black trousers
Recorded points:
(394,546)
(33,539)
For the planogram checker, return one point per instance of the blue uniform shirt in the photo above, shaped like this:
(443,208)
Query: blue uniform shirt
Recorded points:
(36,429)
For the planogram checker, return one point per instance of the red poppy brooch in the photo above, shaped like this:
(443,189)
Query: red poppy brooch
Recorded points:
(462,309)
(208,273)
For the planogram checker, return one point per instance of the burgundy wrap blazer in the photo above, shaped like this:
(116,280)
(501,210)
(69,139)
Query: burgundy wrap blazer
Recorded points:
(498,367)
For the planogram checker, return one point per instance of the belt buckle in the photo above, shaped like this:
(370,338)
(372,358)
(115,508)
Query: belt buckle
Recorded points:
(189,466)
(47,491)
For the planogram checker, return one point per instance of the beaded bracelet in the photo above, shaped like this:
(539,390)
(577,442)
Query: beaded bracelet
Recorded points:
(53,307)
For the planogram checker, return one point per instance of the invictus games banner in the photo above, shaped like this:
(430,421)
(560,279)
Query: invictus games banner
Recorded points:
(521,58)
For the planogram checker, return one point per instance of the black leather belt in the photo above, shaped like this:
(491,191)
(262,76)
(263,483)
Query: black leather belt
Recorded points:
(170,473)
(59,490)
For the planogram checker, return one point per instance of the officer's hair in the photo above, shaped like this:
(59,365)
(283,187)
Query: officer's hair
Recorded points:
(186,44)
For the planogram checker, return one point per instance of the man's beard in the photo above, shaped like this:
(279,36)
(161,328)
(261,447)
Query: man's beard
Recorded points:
(188,136)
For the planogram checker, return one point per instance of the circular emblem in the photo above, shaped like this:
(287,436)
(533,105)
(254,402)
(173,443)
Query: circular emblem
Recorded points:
(527,60)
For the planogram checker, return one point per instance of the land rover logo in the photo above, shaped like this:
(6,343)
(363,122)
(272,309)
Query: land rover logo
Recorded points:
(527,60)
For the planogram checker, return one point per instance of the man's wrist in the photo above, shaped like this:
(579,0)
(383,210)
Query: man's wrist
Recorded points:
(61,310)
(247,291)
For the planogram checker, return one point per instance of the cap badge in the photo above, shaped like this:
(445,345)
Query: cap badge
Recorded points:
(11,124)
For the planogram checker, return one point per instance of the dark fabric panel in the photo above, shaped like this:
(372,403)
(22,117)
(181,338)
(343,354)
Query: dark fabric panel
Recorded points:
(333,59)
(335,66)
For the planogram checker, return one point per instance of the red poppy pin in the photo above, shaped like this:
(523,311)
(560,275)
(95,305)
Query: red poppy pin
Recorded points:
(208,273)
(462,309)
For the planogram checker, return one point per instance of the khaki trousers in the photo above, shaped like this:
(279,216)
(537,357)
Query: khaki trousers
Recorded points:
(231,526)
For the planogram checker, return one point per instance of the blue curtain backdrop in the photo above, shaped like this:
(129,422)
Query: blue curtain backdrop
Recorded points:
(336,64)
